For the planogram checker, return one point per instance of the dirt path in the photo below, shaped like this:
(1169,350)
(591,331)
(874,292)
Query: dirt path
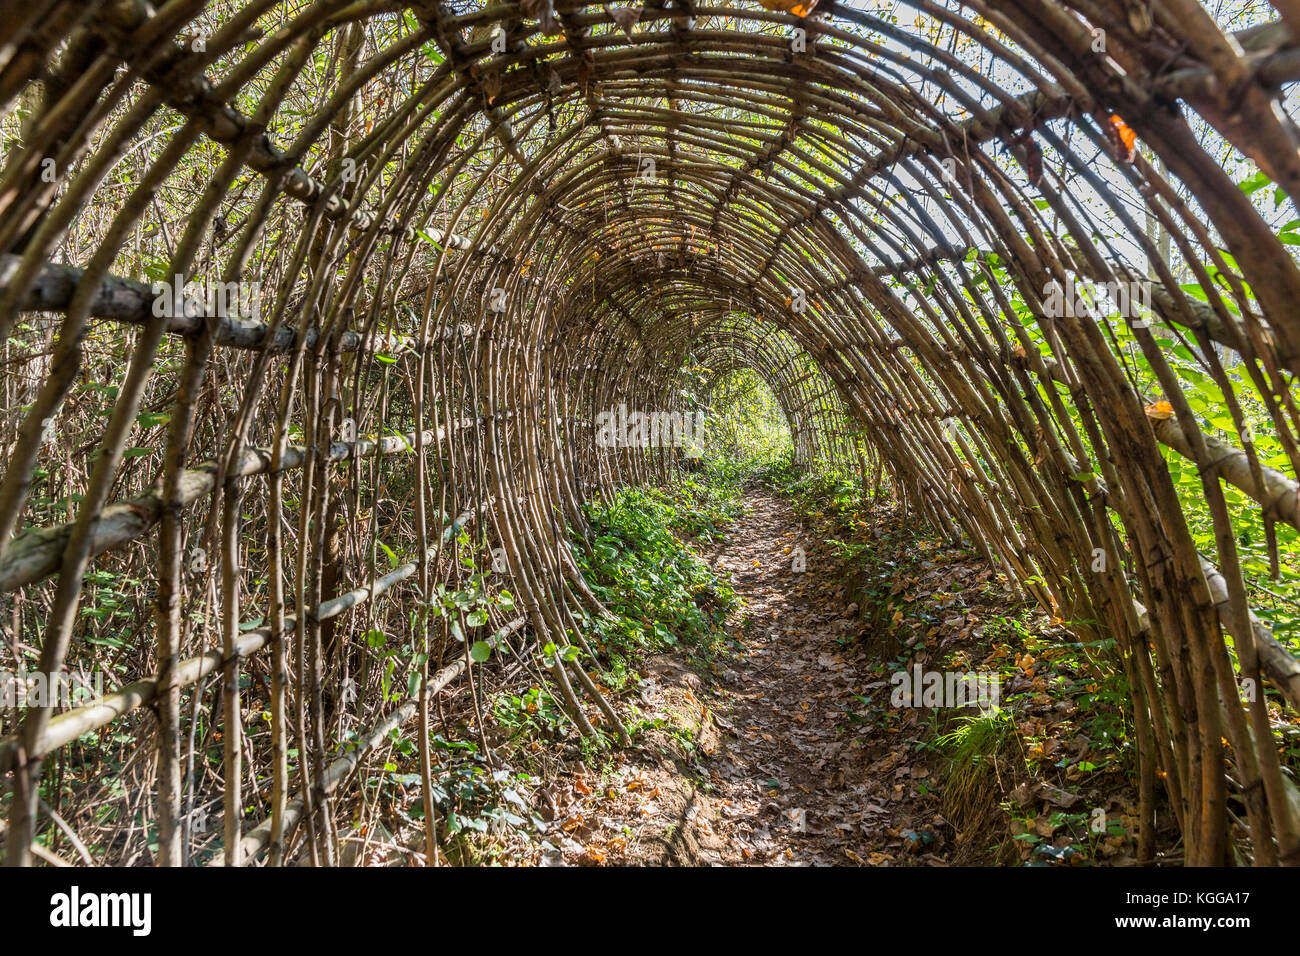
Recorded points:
(777,760)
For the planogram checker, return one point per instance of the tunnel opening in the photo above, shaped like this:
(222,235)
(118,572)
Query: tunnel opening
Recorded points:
(746,422)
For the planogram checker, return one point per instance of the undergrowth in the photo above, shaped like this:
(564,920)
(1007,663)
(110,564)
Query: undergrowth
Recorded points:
(641,569)
(661,596)
(1060,739)
(984,758)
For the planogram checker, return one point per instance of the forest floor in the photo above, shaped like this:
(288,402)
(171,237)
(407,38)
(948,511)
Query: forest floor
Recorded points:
(781,770)
(784,748)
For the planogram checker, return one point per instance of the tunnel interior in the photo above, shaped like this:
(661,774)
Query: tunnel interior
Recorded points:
(1015,256)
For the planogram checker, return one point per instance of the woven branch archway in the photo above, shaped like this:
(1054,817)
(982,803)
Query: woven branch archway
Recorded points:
(820,428)
(473,228)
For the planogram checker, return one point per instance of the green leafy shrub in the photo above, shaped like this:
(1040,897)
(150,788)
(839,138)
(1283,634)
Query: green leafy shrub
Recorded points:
(640,569)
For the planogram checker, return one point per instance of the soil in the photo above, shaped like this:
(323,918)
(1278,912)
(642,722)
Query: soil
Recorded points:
(772,758)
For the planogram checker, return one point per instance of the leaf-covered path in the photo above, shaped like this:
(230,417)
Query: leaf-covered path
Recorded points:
(776,760)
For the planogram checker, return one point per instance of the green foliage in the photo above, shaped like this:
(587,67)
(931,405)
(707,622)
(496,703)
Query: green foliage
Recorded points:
(745,423)
(825,491)
(476,804)
(702,507)
(1275,585)
(534,713)
(976,740)
(640,569)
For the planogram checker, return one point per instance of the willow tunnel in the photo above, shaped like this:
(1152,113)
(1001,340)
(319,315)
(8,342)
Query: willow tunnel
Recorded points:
(378,268)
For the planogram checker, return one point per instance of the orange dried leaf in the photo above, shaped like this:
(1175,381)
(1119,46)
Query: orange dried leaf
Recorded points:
(1123,137)
(800,8)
